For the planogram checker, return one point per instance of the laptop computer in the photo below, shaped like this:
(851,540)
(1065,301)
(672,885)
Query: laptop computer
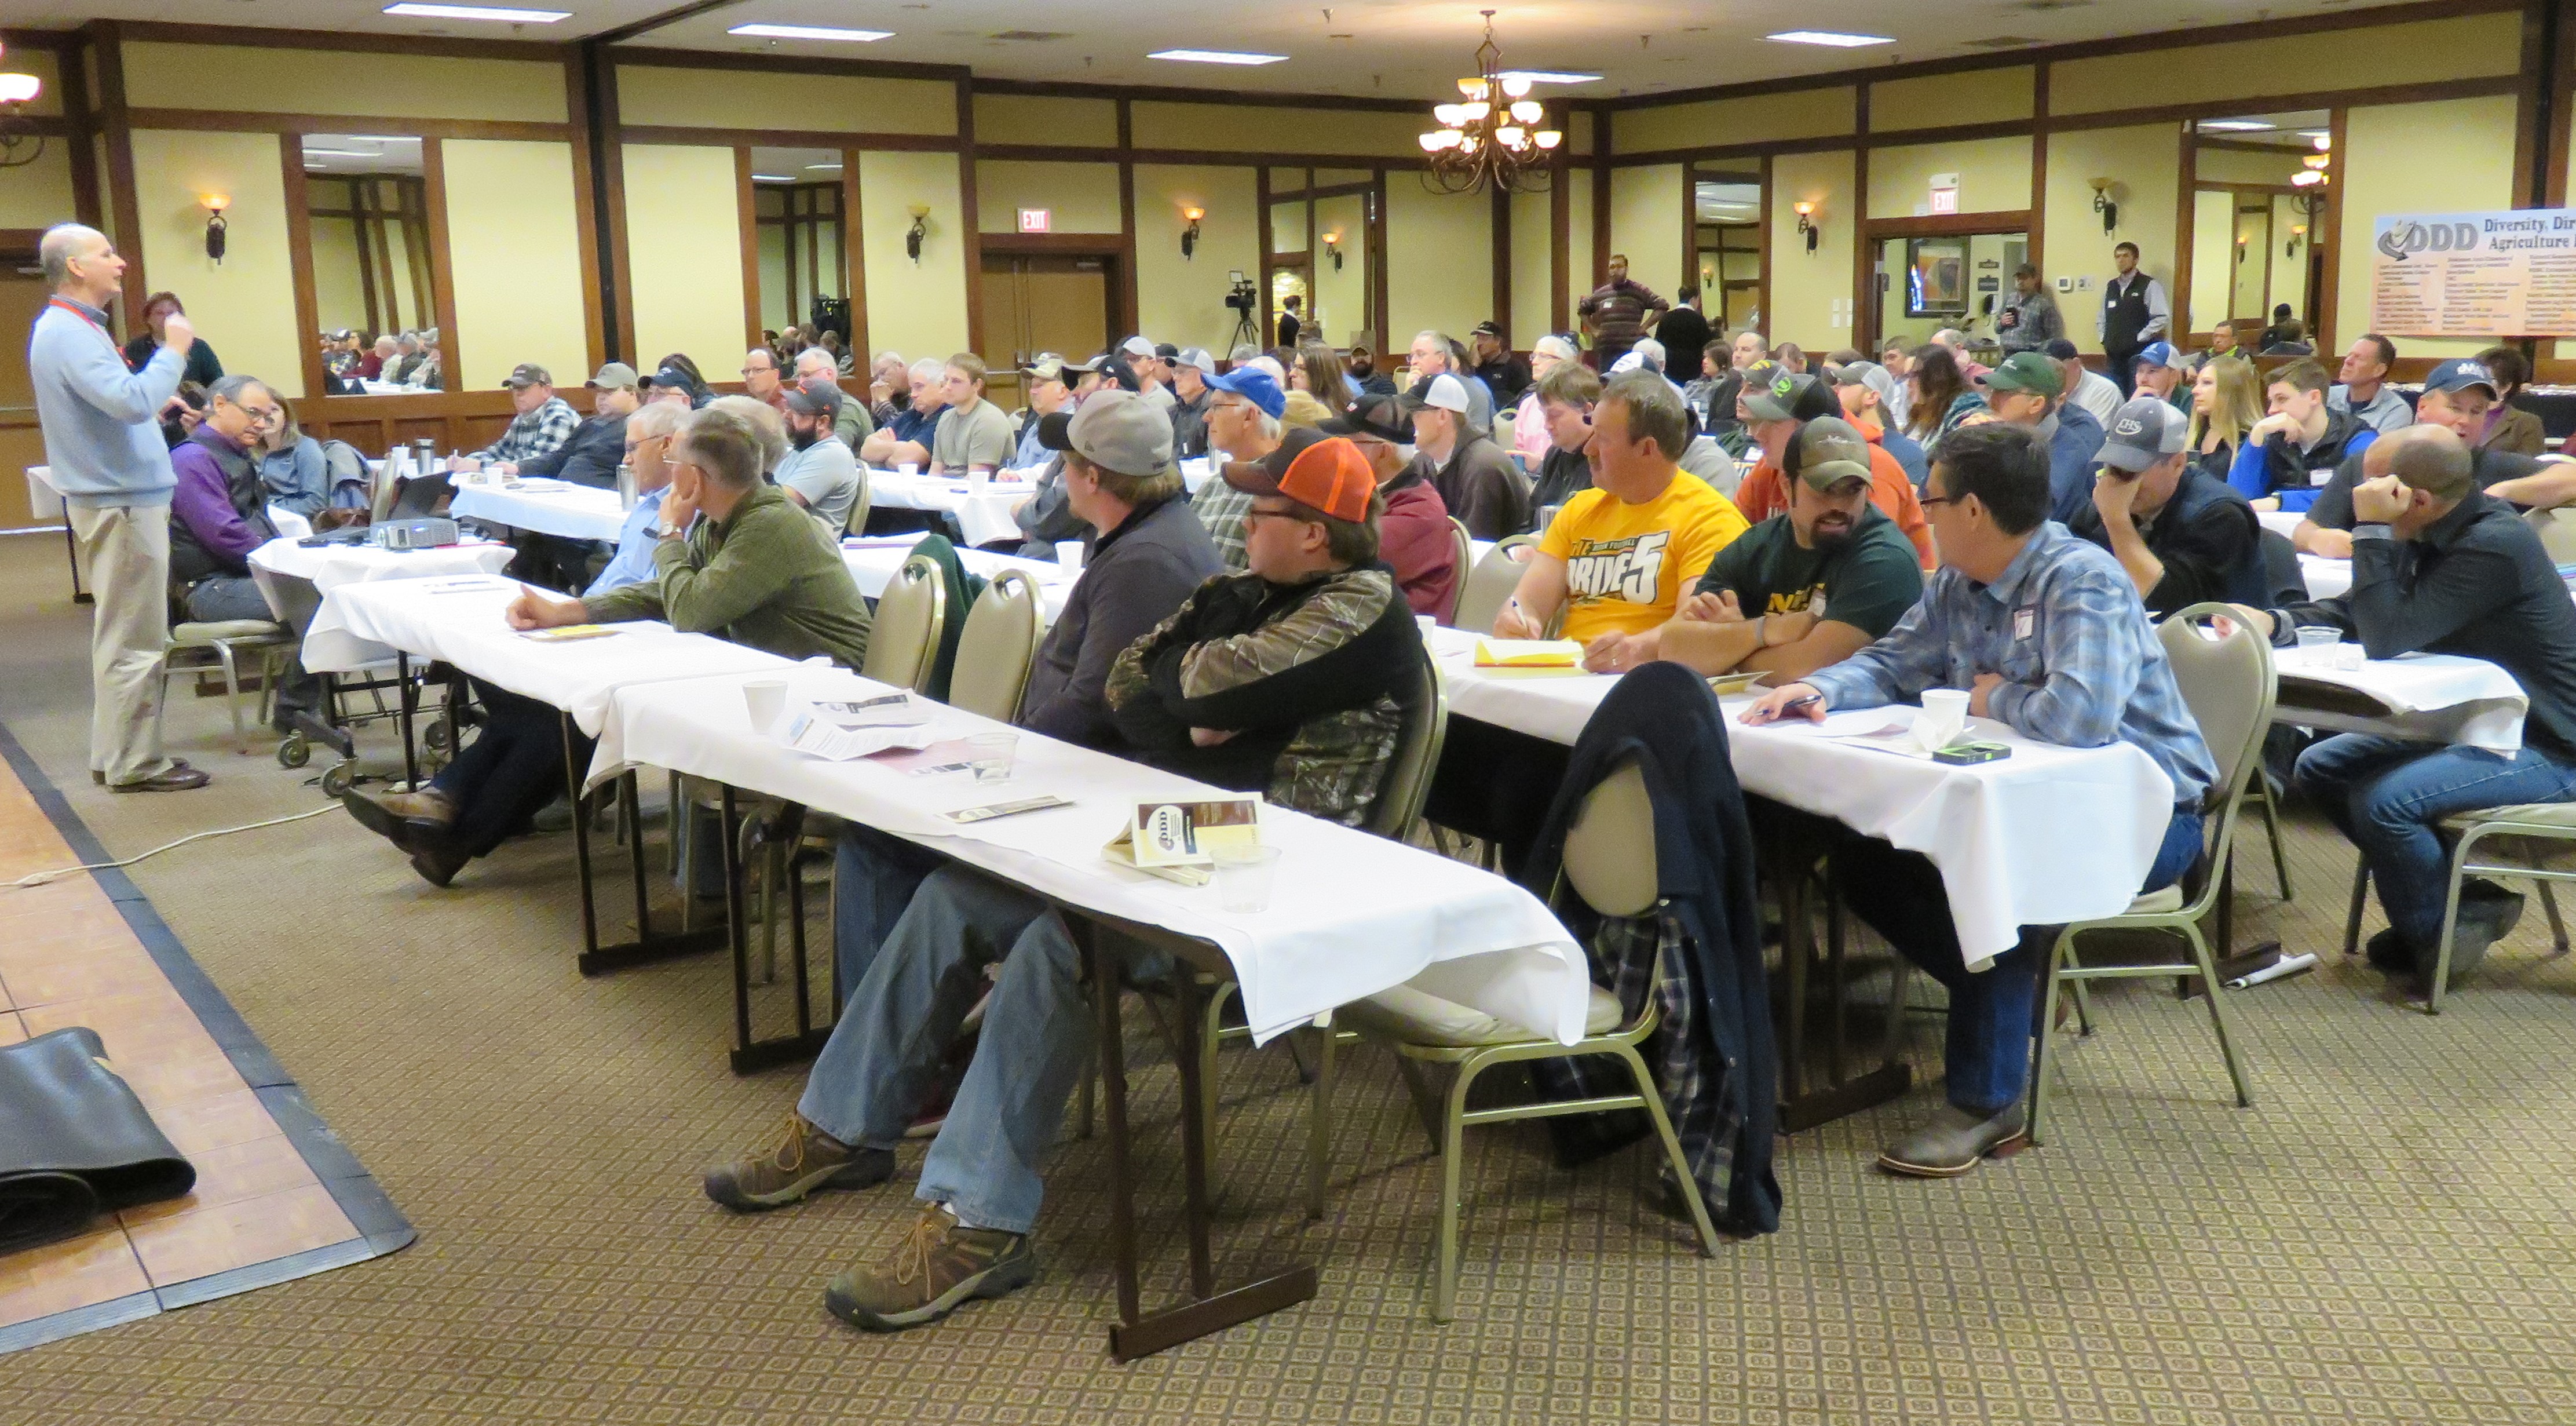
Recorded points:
(421,495)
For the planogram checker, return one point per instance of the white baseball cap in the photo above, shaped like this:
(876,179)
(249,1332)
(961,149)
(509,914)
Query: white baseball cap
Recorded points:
(1444,391)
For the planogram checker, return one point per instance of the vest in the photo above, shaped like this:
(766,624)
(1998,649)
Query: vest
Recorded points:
(2124,314)
(190,561)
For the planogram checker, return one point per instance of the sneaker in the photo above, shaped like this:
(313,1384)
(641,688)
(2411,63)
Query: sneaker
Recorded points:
(555,816)
(1953,1143)
(939,1267)
(806,1160)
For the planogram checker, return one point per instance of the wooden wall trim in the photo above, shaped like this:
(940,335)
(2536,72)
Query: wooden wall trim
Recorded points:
(1268,240)
(1092,153)
(1128,320)
(585,209)
(1600,200)
(650,57)
(1499,228)
(969,202)
(442,273)
(2532,102)
(2186,228)
(854,252)
(2038,168)
(2306,99)
(356,42)
(1377,274)
(2248,146)
(1231,98)
(299,257)
(73,75)
(107,41)
(746,212)
(1947,225)
(1762,293)
(782,138)
(2330,294)
(1560,238)
(1107,245)
(614,251)
(226,122)
(1864,327)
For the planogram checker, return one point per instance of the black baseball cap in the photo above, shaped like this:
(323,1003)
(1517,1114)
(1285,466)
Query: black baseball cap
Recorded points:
(1382,417)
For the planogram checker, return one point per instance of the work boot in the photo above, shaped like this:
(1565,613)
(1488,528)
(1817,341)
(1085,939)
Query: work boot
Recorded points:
(1953,1142)
(2488,913)
(939,1267)
(413,821)
(806,1160)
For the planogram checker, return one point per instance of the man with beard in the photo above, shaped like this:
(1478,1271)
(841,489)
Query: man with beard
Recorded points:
(819,473)
(1366,379)
(1806,588)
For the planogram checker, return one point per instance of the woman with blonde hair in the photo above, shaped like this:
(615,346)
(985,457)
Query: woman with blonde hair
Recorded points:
(2226,402)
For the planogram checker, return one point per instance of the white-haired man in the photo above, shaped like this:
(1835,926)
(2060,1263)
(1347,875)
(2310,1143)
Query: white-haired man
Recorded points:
(103,445)
(906,440)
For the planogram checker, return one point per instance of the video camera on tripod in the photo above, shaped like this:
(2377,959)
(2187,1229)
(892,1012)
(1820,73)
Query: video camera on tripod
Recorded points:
(1245,299)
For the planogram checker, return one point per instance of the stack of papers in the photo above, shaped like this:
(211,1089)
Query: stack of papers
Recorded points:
(844,730)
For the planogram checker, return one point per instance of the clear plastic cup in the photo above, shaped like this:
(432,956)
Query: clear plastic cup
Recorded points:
(1244,875)
(1430,625)
(765,699)
(2316,645)
(991,755)
(1068,555)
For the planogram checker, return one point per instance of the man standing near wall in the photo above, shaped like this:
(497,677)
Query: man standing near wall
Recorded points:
(2134,313)
(103,444)
(1618,312)
(2029,319)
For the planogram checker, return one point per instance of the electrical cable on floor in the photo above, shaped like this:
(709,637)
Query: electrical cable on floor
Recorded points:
(35,879)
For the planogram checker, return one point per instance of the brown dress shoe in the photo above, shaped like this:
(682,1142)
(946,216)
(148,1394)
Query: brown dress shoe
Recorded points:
(99,776)
(178,778)
(437,865)
(409,820)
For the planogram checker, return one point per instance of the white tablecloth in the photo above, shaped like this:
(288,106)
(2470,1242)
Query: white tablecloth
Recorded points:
(458,621)
(575,512)
(873,562)
(2281,521)
(983,511)
(328,567)
(2327,578)
(1351,915)
(2441,698)
(2046,836)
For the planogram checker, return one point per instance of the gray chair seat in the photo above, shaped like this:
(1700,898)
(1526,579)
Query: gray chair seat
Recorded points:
(1420,1018)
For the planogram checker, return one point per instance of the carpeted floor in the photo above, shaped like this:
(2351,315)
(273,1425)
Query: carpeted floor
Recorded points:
(2386,1236)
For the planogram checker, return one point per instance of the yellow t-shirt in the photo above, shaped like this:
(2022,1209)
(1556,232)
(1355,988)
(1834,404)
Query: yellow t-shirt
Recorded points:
(1627,565)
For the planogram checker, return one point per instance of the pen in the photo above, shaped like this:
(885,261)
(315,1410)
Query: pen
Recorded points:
(1804,700)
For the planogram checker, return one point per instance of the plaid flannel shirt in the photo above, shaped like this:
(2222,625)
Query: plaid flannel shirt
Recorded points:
(534,433)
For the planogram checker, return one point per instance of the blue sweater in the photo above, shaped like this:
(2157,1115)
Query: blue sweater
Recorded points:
(101,421)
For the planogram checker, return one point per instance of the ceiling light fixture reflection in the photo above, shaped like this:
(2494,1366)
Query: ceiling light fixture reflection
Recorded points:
(503,13)
(1548,76)
(809,32)
(1217,57)
(2238,126)
(1831,38)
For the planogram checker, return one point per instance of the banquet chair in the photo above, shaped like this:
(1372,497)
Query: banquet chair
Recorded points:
(2287,584)
(2533,823)
(1609,863)
(1465,545)
(2227,683)
(857,524)
(2557,531)
(195,647)
(903,644)
(1488,584)
(995,652)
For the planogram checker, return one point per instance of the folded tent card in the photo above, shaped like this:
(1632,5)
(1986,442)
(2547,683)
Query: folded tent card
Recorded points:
(1178,840)
(846,729)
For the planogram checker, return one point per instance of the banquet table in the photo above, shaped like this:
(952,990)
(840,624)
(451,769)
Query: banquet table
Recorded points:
(548,507)
(982,508)
(873,560)
(2439,698)
(294,577)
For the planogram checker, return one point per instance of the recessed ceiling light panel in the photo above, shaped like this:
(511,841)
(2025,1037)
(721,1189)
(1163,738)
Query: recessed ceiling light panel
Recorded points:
(809,32)
(2237,126)
(1549,76)
(1833,38)
(1217,57)
(503,13)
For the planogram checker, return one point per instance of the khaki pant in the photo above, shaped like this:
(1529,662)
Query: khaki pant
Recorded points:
(128,548)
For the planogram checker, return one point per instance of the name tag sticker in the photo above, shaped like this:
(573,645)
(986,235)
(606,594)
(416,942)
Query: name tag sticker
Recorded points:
(2321,475)
(2023,620)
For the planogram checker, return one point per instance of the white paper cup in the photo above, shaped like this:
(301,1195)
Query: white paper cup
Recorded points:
(1943,719)
(910,467)
(766,700)
(1068,553)
(979,478)
(1244,876)
(1430,625)
(991,755)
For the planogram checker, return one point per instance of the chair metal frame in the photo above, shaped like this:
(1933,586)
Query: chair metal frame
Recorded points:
(2182,920)
(1494,558)
(1465,546)
(273,642)
(2471,828)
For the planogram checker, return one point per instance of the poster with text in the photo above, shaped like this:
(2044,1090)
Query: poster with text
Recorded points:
(2507,274)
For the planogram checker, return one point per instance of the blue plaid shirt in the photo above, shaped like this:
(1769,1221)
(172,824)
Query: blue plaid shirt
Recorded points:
(2063,625)
(540,432)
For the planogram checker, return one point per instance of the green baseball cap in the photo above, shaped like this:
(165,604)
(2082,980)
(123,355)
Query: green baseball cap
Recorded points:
(2026,371)
(1826,452)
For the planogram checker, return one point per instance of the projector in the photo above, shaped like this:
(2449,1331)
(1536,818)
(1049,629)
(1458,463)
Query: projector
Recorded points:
(419,534)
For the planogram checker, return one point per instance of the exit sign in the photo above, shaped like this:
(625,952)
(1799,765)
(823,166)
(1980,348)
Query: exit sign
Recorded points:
(1945,193)
(1037,220)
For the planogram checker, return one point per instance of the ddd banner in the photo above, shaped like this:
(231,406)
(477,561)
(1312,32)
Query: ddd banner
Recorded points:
(2504,274)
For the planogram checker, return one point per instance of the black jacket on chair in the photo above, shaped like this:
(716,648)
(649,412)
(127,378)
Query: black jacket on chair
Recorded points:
(1664,717)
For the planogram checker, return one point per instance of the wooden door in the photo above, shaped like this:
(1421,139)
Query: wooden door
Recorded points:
(1041,302)
(22,296)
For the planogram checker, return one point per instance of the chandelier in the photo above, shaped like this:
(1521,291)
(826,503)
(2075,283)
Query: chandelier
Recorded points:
(15,128)
(2315,172)
(1492,135)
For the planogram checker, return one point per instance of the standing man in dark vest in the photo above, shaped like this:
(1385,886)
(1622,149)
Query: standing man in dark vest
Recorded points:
(2134,313)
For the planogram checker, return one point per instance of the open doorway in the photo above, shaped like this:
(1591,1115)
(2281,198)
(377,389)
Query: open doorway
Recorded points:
(1726,244)
(1931,275)
(2257,250)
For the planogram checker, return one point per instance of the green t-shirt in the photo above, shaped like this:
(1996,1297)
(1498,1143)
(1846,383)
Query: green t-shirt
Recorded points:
(980,436)
(1868,584)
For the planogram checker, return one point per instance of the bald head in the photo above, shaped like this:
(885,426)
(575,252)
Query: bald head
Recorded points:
(80,263)
(2432,459)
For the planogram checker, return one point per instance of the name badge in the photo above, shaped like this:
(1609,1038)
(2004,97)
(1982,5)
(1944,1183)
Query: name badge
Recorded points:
(2023,620)
(2321,475)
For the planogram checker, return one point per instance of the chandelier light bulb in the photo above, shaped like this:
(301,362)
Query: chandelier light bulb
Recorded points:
(1516,87)
(2325,143)
(1431,142)
(19,88)
(1476,111)
(2307,178)
(1549,138)
(1527,111)
(1511,136)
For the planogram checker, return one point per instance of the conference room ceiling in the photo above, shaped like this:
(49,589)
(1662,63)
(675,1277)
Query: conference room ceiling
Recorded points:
(1412,49)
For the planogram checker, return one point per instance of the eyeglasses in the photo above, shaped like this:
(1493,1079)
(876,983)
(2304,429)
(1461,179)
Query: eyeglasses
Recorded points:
(1257,513)
(1938,499)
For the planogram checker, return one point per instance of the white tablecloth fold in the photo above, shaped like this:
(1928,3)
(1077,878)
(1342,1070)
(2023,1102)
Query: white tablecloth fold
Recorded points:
(1351,915)
(328,646)
(575,512)
(982,511)
(873,562)
(2442,698)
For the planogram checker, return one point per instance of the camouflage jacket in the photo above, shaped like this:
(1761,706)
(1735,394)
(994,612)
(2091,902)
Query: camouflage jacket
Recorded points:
(1311,679)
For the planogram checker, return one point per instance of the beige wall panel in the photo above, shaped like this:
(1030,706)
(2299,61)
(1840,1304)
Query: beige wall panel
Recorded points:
(918,309)
(741,98)
(2422,52)
(239,79)
(1533,268)
(2237,166)
(1082,197)
(1232,128)
(2147,164)
(245,305)
(1805,286)
(1041,119)
(2451,157)
(684,250)
(1646,224)
(514,248)
(2289,269)
(1798,114)
(1994,176)
(1439,261)
(1182,300)
(2213,259)
(39,194)
(1979,96)
(338,298)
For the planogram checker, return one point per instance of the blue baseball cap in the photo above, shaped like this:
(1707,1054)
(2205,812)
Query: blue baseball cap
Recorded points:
(2159,354)
(1253,385)
(2460,373)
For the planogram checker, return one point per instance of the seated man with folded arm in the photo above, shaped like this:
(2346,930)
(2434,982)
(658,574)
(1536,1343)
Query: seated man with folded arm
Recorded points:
(2046,634)
(2440,567)
(756,570)
(2185,536)
(1291,678)
(1808,587)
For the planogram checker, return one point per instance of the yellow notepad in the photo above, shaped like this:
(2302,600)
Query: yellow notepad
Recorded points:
(1528,653)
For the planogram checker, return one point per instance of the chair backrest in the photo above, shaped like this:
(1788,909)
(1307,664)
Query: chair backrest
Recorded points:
(1417,755)
(857,524)
(1610,846)
(1488,586)
(1465,545)
(905,637)
(2283,577)
(2228,685)
(345,475)
(1000,643)
(2557,530)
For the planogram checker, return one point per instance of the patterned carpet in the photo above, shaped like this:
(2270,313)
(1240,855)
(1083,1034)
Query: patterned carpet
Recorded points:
(2385,1237)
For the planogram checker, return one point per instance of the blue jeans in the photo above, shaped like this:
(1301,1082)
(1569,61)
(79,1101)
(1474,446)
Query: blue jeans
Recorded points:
(2390,795)
(1987,1051)
(886,1051)
(873,878)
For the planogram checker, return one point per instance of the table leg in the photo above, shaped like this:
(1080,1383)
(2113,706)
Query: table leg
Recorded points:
(1802,1107)
(1113,1106)
(1186,998)
(646,948)
(71,543)
(408,699)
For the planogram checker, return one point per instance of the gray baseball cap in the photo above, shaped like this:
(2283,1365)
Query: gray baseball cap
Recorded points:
(1826,452)
(2142,432)
(1871,375)
(1118,430)
(616,375)
(1197,357)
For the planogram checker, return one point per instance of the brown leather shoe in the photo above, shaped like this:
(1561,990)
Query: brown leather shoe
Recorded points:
(99,777)
(178,778)
(437,865)
(409,820)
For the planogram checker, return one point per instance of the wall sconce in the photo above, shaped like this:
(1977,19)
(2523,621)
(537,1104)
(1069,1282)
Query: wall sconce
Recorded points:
(1806,222)
(15,130)
(2103,205)
(2297,231)
(1333,249)
(920,229)
(215,204)
(2240,250)
(1190,234)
